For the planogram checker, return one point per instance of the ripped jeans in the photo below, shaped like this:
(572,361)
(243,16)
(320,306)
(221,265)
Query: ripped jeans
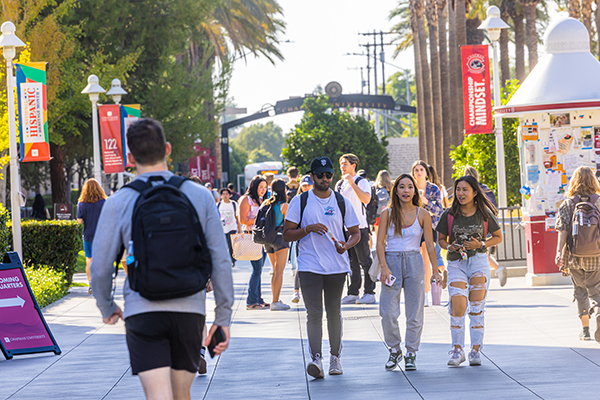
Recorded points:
(463,271)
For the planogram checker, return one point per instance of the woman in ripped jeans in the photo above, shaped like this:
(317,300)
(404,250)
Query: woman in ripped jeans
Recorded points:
(463,229)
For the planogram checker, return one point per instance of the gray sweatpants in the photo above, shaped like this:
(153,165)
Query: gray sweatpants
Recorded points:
(409,270)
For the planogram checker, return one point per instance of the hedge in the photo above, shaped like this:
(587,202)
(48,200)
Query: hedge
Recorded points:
(47,284)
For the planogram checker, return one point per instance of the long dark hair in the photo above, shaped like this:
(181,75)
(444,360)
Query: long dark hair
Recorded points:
(396,204)
(480,199)
(252,191)
(278,195)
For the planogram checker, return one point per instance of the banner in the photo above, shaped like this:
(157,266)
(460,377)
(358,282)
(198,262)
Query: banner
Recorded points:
(33,112)
(111,138)
(129,114)
(203,165)
(476,89)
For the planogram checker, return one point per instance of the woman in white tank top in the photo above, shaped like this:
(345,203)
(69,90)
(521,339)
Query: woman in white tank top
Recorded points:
(402,267)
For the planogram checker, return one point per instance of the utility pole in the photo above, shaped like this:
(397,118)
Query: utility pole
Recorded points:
(382,59)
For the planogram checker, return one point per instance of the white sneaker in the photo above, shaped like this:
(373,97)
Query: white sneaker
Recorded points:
(474,357)
(457,357)
(294,272)
(350,299)
(502,275)
(271,271)
(427,304)
(335,367)
(279,306)
(367,299)
(315,368)
(296,298)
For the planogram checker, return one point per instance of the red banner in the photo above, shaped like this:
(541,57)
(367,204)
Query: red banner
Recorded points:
(203,165)
(111,138)
(476,89)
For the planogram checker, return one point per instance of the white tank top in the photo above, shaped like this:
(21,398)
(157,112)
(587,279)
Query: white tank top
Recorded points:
(410,239)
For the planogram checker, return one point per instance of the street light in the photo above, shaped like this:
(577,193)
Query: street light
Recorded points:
(9,43)
(93,89)
(493,24)
(116,91)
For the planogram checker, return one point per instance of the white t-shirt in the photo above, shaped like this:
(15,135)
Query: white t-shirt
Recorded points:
(347,191)
(317,253)
(228,216)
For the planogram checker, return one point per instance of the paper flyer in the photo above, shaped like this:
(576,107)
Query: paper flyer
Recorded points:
(587,141)
(533,174)
(529,131)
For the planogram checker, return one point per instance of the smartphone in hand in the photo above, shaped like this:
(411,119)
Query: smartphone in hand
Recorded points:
(218,337)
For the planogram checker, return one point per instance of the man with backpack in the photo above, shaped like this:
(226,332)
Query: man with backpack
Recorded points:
(228,211)
(291,187)
(175,242)
(358,191)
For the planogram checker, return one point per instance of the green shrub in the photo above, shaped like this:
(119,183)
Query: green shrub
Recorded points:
(5,233)
(48,285)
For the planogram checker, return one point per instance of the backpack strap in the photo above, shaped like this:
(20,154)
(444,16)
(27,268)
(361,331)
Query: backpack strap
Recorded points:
(338,185)
(303,201)
(341,205)
(140,186)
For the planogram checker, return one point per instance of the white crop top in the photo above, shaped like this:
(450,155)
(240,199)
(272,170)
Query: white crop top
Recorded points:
(410,239)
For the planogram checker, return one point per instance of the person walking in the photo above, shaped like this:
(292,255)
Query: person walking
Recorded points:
(358,191)
(163,337)
(403,224)
(435,179)
(235,196)
(249,204)
(322,263)
(383,188)
(584,269)
(292,186)
(228,209)
(431,198)
(306,184)
(463,230)
(90,203)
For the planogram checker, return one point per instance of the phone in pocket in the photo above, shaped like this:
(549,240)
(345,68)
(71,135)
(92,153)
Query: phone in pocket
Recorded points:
(218,337)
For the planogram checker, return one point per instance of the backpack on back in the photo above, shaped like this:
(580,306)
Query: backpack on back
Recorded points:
(265,231)
(383,199)
(291,191)
(584,235)
(170,256)
(371,208)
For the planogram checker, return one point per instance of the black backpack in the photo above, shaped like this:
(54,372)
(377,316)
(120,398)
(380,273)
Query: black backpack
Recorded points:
(371,208)
(264,230)
(171,257)
(290,192)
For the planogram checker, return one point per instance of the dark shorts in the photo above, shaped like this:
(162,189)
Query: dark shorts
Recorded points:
(87,248)
(164,339)
(273,248)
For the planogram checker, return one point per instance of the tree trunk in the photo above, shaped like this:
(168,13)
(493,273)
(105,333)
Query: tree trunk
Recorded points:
(426,73)
(421,123)
(531,32)
(586,17)
(474,35)
(517,17)
(573,7)
(446,173)
(461,40)
(454,67)
(504,56)
(436,86)
(57,175)
(598,25)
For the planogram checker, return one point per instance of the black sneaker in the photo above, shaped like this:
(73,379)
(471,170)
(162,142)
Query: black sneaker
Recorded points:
(202,365)
(585,334)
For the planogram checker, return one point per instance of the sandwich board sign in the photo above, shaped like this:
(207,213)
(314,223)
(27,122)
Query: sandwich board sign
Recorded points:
(23,329)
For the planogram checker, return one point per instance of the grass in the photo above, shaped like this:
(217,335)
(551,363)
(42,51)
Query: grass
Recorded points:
(79,284)
(80,267)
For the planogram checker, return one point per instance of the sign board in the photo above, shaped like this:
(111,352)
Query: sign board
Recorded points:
(23,329)
(476,89)
(63,211)
(203,165)
(111,138)
(130,113)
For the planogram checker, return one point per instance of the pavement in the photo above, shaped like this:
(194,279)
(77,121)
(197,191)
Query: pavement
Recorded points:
(531,351)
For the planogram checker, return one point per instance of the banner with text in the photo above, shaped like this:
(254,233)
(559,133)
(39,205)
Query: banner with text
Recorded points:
(110,133)
(476,89)
(129,114)
(33,111)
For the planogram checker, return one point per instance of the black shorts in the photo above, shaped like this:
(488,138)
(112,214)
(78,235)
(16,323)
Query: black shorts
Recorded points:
(164,339)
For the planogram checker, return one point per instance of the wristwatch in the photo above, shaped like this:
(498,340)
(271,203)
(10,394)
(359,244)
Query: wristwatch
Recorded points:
(483,246)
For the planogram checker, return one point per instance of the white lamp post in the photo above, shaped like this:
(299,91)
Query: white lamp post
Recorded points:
(93,89)
(493,24)
(9,43)
(116,91)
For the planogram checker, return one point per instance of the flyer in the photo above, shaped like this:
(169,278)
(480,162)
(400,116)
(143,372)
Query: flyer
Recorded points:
(533,174)
(587,140)
(530,147)
(550,220)
(564,144)
(529,131)
(560,120)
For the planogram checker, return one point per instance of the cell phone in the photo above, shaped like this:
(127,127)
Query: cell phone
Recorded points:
(218,337)
(391,280)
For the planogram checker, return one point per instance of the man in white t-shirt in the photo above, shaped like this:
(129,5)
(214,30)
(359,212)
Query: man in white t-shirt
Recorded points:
(228,211)
(316,219)
(358,191)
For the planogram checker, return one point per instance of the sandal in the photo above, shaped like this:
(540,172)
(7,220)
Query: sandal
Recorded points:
(258,306)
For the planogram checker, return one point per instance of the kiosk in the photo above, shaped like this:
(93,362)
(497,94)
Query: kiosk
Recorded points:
(558,106)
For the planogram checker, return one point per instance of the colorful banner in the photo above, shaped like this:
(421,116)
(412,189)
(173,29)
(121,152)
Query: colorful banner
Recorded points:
(129,114)
(203,165)
(111,138)
(33,112)
(476,89)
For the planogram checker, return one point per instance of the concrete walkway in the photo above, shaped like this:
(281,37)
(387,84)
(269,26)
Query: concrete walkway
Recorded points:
(531,351)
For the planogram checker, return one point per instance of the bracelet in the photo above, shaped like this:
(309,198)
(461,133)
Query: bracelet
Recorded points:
(305,231)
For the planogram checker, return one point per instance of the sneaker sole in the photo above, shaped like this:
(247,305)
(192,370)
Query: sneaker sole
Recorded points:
(295,301)
(335,372)
(390,368)
(315,372)
(474,363)
(413,368)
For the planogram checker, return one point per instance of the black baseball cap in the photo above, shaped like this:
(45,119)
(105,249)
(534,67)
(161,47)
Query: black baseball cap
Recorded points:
(321,164)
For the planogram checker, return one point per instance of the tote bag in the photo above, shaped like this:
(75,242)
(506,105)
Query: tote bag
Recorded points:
(244,247)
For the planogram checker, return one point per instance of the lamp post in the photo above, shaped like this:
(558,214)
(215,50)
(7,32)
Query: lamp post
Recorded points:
(93,89)
(9,43)
(493,24)
(115,92)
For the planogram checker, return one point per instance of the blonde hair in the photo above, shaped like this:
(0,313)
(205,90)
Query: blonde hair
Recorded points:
(470,171)
(583,182)
(269,177)
(384,180)
(91,192)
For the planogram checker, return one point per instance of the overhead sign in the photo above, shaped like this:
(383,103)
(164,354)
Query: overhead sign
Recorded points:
(111,137)
(130,113)
(23,329)
(33,112)
(382,102)
(476,89)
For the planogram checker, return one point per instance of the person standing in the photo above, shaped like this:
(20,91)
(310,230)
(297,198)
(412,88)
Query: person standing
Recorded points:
(38,208)
(463,230)
(358,191)
(90,203)
(584,270)
(249,204)
(228,211)
(398,243)
(163,337)
(322,263)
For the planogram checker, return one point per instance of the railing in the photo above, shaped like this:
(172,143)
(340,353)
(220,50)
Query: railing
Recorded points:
(513,246)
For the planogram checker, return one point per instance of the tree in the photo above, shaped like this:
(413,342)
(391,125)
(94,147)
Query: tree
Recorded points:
(262,142)
(396,87)
(531,35)
(504,57)
(238,159)
(442,6)
(332,134)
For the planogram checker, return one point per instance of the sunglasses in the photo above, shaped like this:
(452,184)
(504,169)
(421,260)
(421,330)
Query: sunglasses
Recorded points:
(328,175)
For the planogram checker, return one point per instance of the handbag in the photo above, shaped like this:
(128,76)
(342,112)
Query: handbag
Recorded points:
(375,269)
(244,247)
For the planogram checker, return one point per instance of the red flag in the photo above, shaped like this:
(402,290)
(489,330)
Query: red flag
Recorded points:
(476,89)
(111,138)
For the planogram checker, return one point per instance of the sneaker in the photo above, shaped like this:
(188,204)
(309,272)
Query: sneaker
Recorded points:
(315,368)
(474,357)
(294,272)
(296,298)
(409,362)
(457,357)
(350,299)
(271,271)
(597,332)
(393,361)
(90,290)
(427,304)
(202,365)
(335,367)
(502,275)
(367,299)
(585,334)
(279,306)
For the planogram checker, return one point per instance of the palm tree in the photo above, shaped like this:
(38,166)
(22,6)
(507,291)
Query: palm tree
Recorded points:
(446,172)
(421,120)
(573,7)
(598,24)
(515,11)
(531,35)
(586,17)
(436,85)
(461,39)
(454,68)
(504,57)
